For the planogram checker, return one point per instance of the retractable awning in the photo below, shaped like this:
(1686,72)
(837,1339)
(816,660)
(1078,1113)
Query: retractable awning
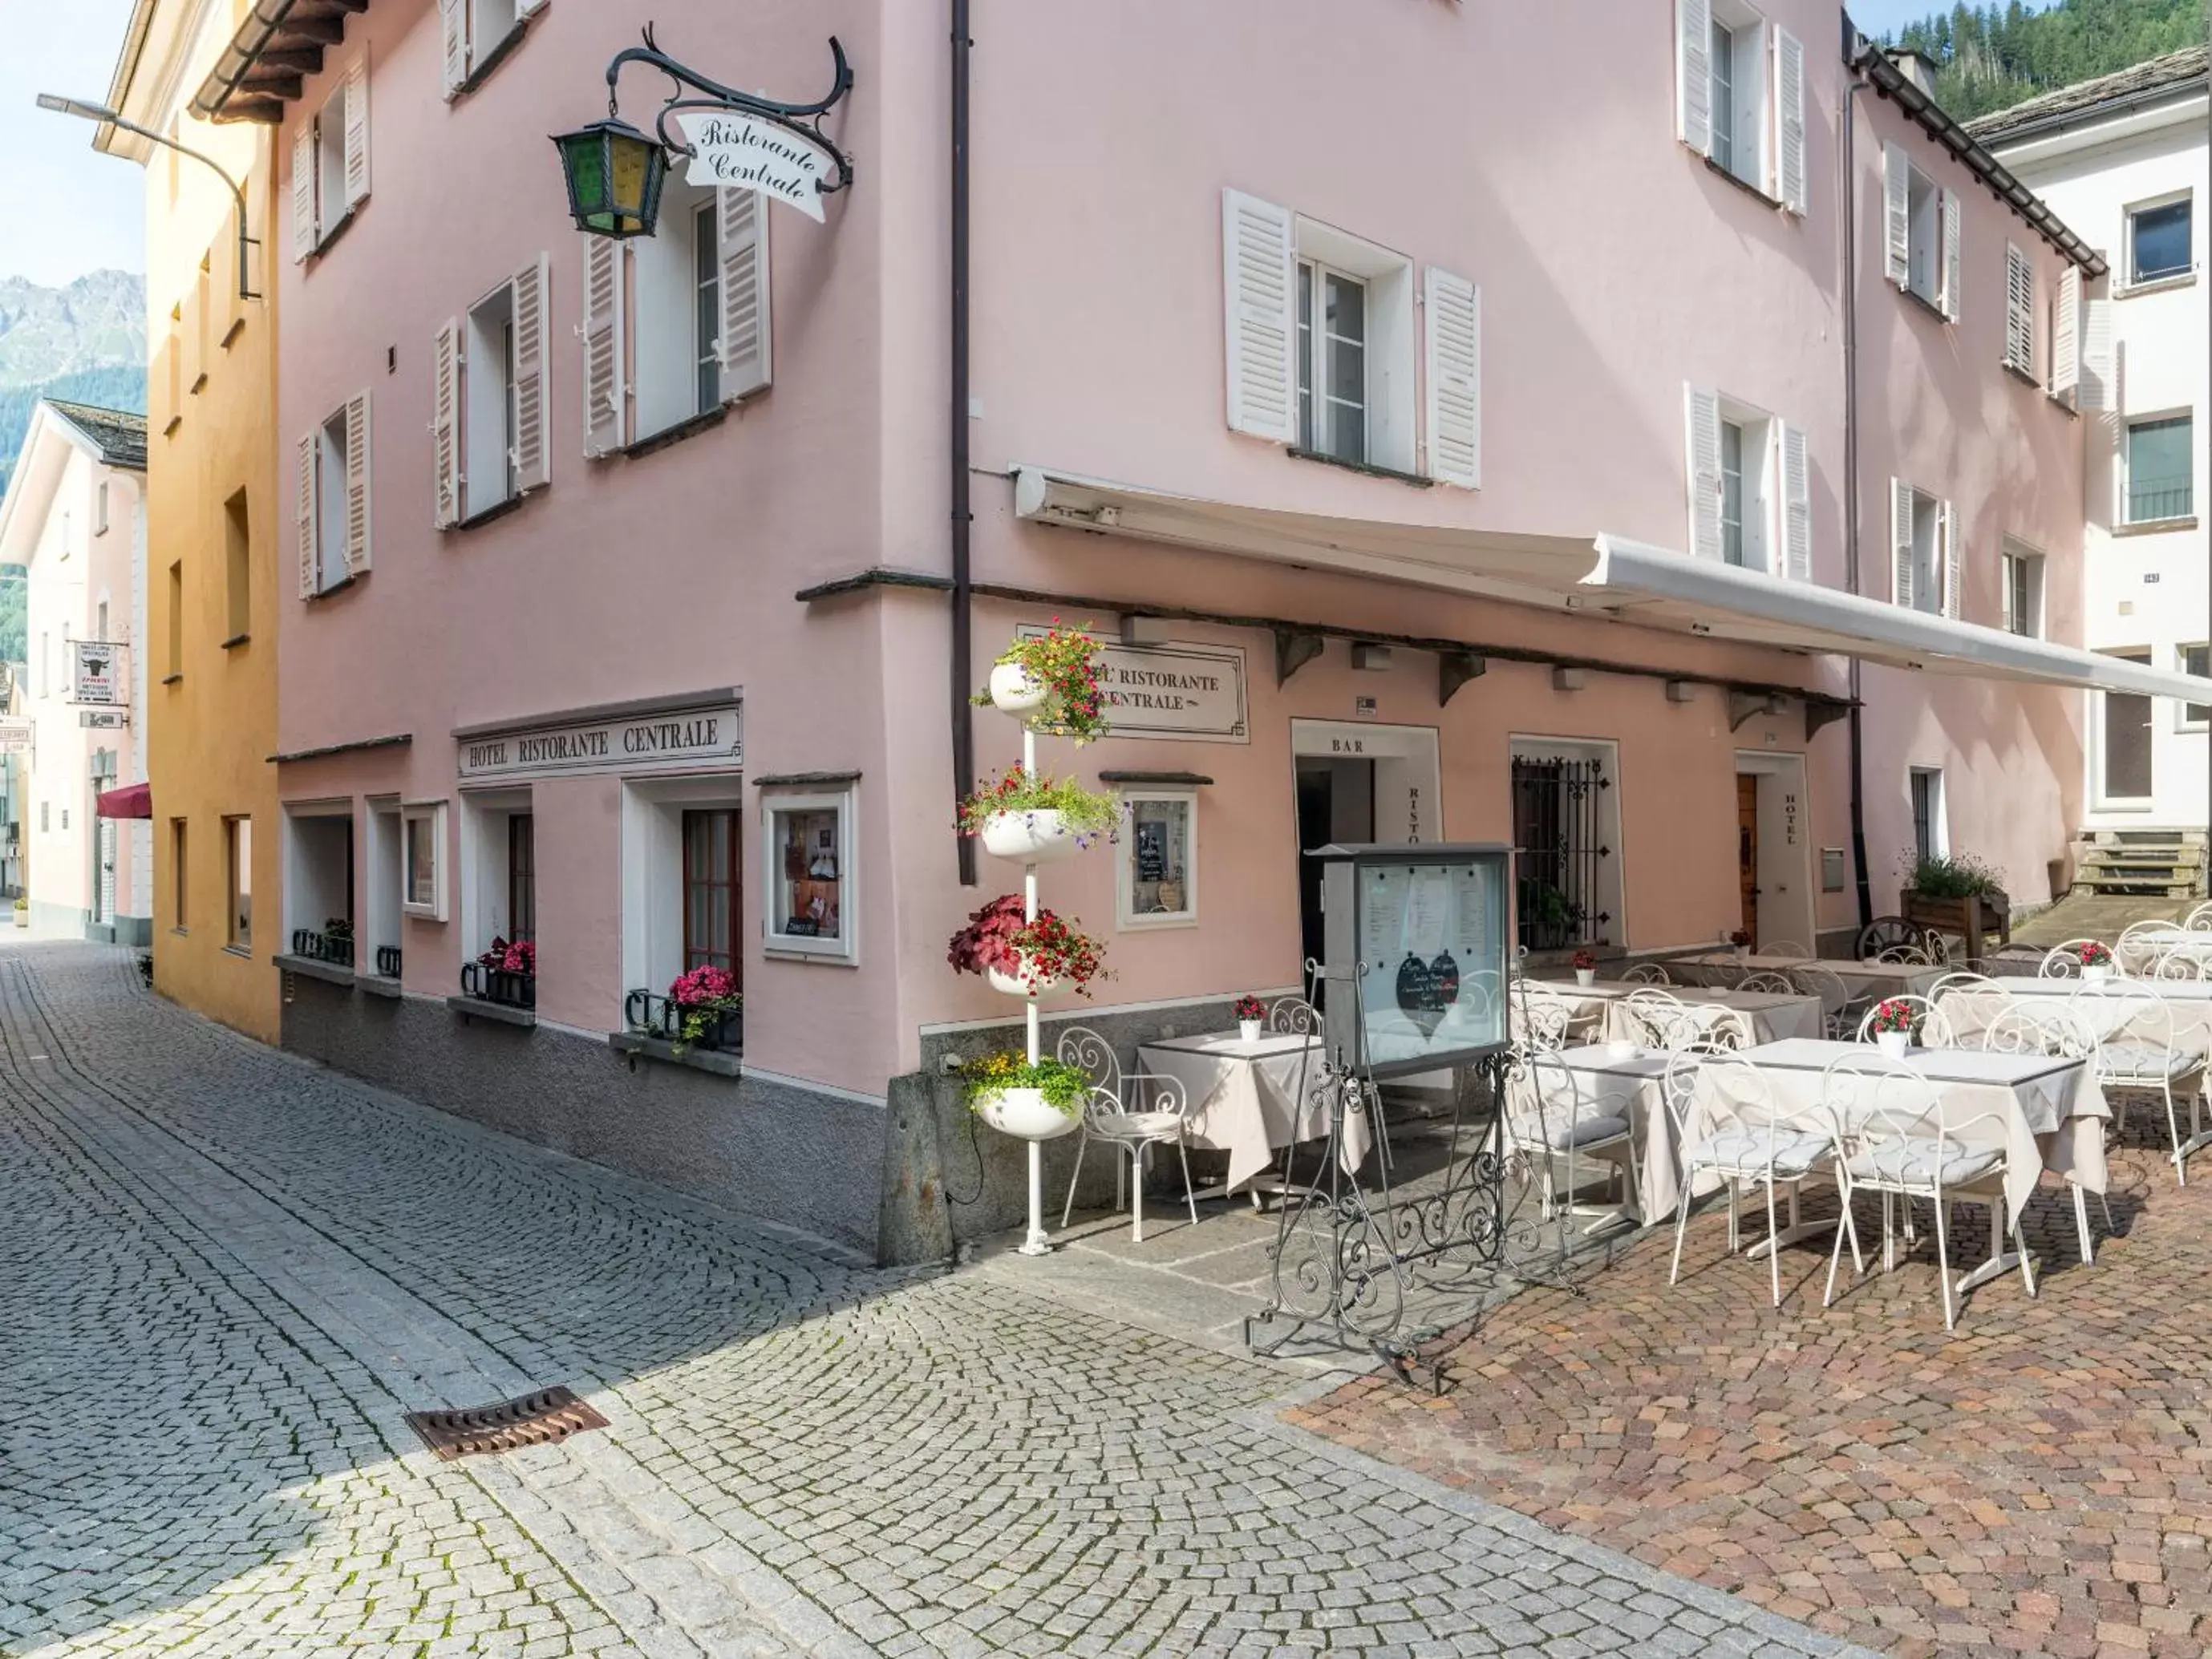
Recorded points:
(1610,578)
(133,800)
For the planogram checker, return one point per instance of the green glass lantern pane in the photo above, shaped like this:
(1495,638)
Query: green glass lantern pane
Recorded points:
(588,171)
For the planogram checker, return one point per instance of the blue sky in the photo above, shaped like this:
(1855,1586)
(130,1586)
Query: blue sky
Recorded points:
(88,208)
(1887,16)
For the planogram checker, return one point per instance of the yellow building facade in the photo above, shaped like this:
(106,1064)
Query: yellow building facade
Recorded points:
(210,648)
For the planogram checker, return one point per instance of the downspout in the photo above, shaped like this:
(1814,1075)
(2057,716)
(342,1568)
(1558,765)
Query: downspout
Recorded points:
(963,713)
(1851,480)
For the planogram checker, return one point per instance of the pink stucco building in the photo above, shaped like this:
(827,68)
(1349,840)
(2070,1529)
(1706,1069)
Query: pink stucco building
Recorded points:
(1469,423)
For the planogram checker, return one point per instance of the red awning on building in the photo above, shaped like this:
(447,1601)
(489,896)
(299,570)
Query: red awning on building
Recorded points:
(134,800)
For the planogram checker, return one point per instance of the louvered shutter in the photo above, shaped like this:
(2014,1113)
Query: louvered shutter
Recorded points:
(747,324)
(1796,562)
(2020,310)
(356,132)
(303,190)
(2004,582)
(1455,379)
(1897,212)
(1900,537)
(528,8)
(1261,331)
(356,485)
(2097,369)
(310,560)
(602,334)
(1790,120)
(445,434)
(1947,529)
(454,32)
(1693,73)
(2066,336)
(1951,284)
(1702,419)
(532,346)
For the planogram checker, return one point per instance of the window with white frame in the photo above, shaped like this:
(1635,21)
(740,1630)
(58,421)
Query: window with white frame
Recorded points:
(384,882)
(1740,96)
(1923,230)
(332,500)
(2159,235)
(682,886)
(422,859)
(2157,466)
(2019,311)
(1750,487)
(2124,742)
(1924,554)
(475,34)
(330,162)
(1159,859)
(2194,659)
(319,880)
(1931,833)
(498,843)
(488,399)
(2023,592)
(697,301)
(807,844)
(100,509)
(1323,338)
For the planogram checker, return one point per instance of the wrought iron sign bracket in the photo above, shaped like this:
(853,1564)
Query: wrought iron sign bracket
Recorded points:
(1454,670)
(1822,711)
(1746,706)
(1294,649)
(804,120)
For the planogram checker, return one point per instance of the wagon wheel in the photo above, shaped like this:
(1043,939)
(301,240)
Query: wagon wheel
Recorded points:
(1886,933)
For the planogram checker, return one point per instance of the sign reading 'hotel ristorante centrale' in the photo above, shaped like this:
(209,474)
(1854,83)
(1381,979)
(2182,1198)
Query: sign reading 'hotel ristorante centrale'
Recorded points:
(1191,692)
(654,740)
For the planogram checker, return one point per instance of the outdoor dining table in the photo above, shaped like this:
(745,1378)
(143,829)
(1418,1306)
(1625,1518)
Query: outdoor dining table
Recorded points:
(1867,981)
(2159,943)
(1615,1080)
(1252,1099)
(1970,1010)
(1773,1015)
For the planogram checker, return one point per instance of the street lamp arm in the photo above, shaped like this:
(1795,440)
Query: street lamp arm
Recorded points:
(802,119)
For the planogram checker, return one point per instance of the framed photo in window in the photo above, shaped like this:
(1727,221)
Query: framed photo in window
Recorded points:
(1157,885)
(807,842)
(422,860)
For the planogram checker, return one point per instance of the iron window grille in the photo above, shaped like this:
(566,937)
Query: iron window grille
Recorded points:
(499,985)
(723,1030)
(1561,852)
(324,946)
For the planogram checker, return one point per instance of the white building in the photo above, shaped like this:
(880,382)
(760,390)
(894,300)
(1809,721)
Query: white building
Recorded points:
(2122,159)
(73,515)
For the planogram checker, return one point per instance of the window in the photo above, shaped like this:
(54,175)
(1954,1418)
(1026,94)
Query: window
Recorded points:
(2158,465)
(2023,593)
(1565,825)
(711,888)
(2019,311)
(1732,539)
(423,874)
(382,870)
(2124,744)
(176,620)
(100,509)
(318,889)
(330,163)
(487,398)
(1930,834)
(1750,500)
(238,855)
(2158,241)
(1158,885)
(100,623)
(1331,362)
(476,33)
(1923,536)
(1741,103)
(1723,95)
(487,383)
(498,866)
(179,872)
(521,876)
(1923,232)
(238,571)
(808,847)
(2195,660)
(45,820)
(702,302)
(333,499)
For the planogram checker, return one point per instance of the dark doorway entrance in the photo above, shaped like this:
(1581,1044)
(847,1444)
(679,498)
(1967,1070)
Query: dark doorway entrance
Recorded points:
(1336,803)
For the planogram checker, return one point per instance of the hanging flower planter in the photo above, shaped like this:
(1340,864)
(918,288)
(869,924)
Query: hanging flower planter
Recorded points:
(1035,818)
(1027,959)
(1051,681)
(1013,692)
(1027,981)
(1039,837)
(1030,1100)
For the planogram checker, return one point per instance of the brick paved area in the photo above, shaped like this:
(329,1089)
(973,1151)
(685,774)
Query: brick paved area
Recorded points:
(2037,1481)
(225,1277)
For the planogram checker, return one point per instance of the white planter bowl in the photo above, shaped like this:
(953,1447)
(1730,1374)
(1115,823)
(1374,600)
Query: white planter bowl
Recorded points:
(1023,984)
(1013,692)
(1585,976)
(1893,1043)
(1248,1030)
(1024,1114)
(2096,976)
(1028,837)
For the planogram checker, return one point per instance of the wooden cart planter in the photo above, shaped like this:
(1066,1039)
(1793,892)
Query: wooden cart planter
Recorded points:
(1969,918)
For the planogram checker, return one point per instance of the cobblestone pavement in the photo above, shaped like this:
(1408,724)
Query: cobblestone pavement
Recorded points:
(2037,1481)
(225,1276)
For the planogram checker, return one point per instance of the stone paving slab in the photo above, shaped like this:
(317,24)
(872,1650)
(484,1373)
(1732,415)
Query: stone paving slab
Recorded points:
(229,1274)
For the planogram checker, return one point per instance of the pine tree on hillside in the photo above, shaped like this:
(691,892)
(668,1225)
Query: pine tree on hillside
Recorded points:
(1990,58)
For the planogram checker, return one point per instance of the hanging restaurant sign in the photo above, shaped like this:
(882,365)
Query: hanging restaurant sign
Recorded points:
(15,735)
(96,672)
(1191,693)
(749,152)
(652,740)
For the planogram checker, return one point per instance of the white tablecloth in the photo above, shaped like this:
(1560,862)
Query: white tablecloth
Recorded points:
(1604,1087)
(1773,1016)
(2116,1012)
(1865,981)
(1244,1097)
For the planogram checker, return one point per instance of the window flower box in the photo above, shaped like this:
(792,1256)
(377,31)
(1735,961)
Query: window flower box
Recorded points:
(716,1029)
(333,943)
(505,974)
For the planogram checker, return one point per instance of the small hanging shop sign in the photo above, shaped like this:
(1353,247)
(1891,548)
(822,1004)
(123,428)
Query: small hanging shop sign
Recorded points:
(97,669)
(736,150)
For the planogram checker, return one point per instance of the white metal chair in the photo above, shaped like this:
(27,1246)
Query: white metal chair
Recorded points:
(1899,1140)
(1658,1019)
(1839,1011)
(1293,1016)
(2198,920)
(2064,960)
(1906,956)
(1160,1122)
(2143,945)
(1644,973)
(1550,1116)
(1967,1026)
(1728,1124)
(1769,980)
(1930,1029)
(2138,1054)
(1547,1019)
(2181,967)
(1784,947)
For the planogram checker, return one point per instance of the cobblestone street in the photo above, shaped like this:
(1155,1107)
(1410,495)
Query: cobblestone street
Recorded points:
(226,1276)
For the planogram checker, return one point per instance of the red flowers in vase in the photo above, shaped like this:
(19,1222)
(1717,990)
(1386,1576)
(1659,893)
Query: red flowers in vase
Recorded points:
(519,957)
(1250,1007)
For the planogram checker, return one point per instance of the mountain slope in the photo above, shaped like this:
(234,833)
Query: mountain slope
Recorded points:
(97,320)
(1991,57)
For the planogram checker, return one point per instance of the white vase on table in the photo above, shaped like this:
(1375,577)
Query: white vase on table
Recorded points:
(2096,973)
(1248,1030)
(1893,1044)
(1585,978)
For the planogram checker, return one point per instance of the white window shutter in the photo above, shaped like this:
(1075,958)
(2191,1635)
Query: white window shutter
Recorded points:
(1455,379)
(1703,421)
(1261,331)
(1900,537)
(453,31)
(1694,72)
(356,132)
(532,346)
(303,190)
(1797,562)
(741,218)
(2097,367)
(528,8)
(310,560)
(356,485)
(2020,310)
(1897,203)
(2066,336)
(1790,120)
(445,433)
(1947,528)
(2004,582)
(1951,294)
(602,334)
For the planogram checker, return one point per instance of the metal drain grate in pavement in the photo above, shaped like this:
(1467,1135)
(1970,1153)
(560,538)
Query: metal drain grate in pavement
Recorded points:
(532,1420)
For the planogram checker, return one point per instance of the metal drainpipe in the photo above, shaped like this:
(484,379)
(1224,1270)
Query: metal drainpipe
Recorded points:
(964,715)
(1851,480)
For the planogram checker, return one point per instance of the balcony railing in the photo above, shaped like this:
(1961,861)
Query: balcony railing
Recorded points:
(497,985)
(723,1030)
(2149,506)
(325,946)
(387,961)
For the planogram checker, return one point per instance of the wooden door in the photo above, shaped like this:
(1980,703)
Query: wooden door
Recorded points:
(1746,851)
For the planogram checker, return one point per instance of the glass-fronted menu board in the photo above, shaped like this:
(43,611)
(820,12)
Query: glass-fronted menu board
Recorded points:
(1416,940)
